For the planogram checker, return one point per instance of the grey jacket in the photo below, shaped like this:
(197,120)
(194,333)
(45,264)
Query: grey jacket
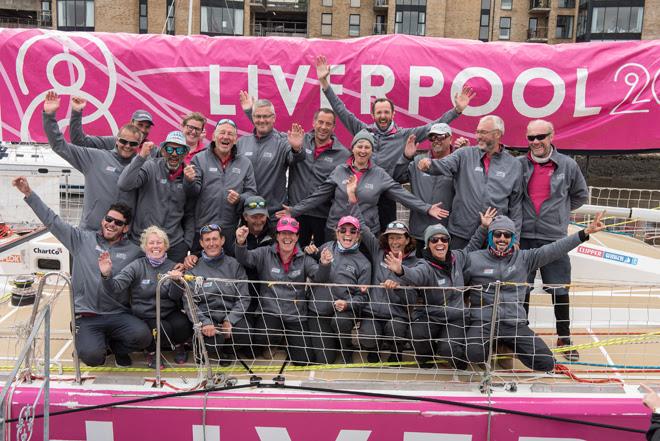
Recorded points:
(219,300)
(374,182)
(101,169)
(160,201)
(270,156)
(86,247)
(568,191)
(475,190)
(307,175)
(140,278)
(211,185)
(389,146)
(482,270)
(347,268)
(287,301)
(78,136)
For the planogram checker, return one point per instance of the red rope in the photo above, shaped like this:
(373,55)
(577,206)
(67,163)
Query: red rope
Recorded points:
(564,370)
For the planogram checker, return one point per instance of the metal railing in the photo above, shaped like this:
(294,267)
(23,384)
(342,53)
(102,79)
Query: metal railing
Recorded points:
(381,3)
(539,4)
(537,34)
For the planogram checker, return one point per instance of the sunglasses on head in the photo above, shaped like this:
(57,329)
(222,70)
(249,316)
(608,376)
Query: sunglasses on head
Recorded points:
(540,137)
(210,227)
(180,150)
(256,204)
(436,239)
(226,121)
(294,223)
(123,141)
(500,233)
(109,219)
(396,224)
(344,230)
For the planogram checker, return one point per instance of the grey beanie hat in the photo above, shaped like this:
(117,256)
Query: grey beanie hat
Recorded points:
(363,134)
(432,230)
(502,223)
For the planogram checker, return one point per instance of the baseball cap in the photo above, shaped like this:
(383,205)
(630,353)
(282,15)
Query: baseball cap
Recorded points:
(287,223)
(175,137)
(255,205)
(440,129)
(142,115)
(349,220)
(398,227)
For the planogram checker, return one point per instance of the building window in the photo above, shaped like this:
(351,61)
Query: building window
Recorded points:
(613,20)
(410,17)
(380,27)
(169,17)
(505,28)
(566,3)
(221,17)
(564,26)
(75,15)
(355,3)
(143,23)
(582,22)
(354,25)
(326,24)
(46,13)
(507,4)
(327,3)
(484,20)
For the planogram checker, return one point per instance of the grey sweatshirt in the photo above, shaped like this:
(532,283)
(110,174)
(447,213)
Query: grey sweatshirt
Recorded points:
(568,191)
(219,300)
(390,145)
(140,278)
(307,175)
(287,301)
(483,269)
(211,185)
(78,136)
(101,169)
(160,201)
(500,188)
(374,182)
(86,247)
(270,156)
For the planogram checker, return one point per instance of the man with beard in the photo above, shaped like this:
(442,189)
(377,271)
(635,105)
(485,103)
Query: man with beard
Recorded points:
(161,196)
(484,176)
(553,187)
(101,320)
(101,168)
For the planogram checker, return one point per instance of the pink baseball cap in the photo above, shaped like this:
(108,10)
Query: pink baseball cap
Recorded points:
(349,220)
(287,223)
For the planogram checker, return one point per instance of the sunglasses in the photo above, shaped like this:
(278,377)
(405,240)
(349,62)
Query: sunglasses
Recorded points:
(499,233)
(210,227)
(226,121)
(270,115)
(344,230)
(256,204)
(436,239)
(193,128)
(540,137)
(123,141)
(438,137)
(294,223)
(180,150)
(110,219)
(397,225)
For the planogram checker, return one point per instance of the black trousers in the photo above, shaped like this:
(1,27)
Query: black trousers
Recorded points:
(178,252)
(270,329)
(331,335)
(123,332)
(386,212)
(311,226)
(383,334)
(175,329)
(240,341)
(447,340)
(528,347)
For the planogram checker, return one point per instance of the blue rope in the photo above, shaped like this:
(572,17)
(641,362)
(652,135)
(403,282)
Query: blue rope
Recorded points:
(613,366)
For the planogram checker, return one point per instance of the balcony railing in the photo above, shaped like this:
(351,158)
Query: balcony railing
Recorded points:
(538,34)
(539,5)
(381,4)
(280,29)
(280,5)
(24,22)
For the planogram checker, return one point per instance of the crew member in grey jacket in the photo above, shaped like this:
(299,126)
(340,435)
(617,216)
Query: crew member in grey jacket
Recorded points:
(333,310)
(439,322)
(484,176)
(101,168)
(140,119)
(283,306)
(553,186)
(101,320)
(221,304)
(140,278)
(220,181)
(390,139)
(271,152)
(161,197)
(373,181)
(502,262)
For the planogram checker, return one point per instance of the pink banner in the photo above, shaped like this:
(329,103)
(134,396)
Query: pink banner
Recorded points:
(600,96)
(277,416)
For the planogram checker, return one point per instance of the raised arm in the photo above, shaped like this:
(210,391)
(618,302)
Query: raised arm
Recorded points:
(247,258)
(461,99)
(135,175)
(78,136)
(447,166)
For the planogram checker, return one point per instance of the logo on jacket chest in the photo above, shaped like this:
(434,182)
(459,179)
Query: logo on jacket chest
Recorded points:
(489,271)
(441,282)
(146,282)
(295,273)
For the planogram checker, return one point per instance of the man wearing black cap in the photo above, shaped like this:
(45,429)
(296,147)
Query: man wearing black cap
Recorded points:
(141,119)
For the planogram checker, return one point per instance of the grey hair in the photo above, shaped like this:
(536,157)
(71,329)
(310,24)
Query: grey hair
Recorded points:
(497,121)
(548,123)
(263,103)
(155,231)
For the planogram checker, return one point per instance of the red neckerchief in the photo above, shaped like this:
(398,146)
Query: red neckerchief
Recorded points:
(191,154)
(286,263)
(357,172)
(486,158)
(225,162)
(322,148)
(176,173)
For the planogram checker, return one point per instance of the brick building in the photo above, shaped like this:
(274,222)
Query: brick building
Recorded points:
(542,21)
